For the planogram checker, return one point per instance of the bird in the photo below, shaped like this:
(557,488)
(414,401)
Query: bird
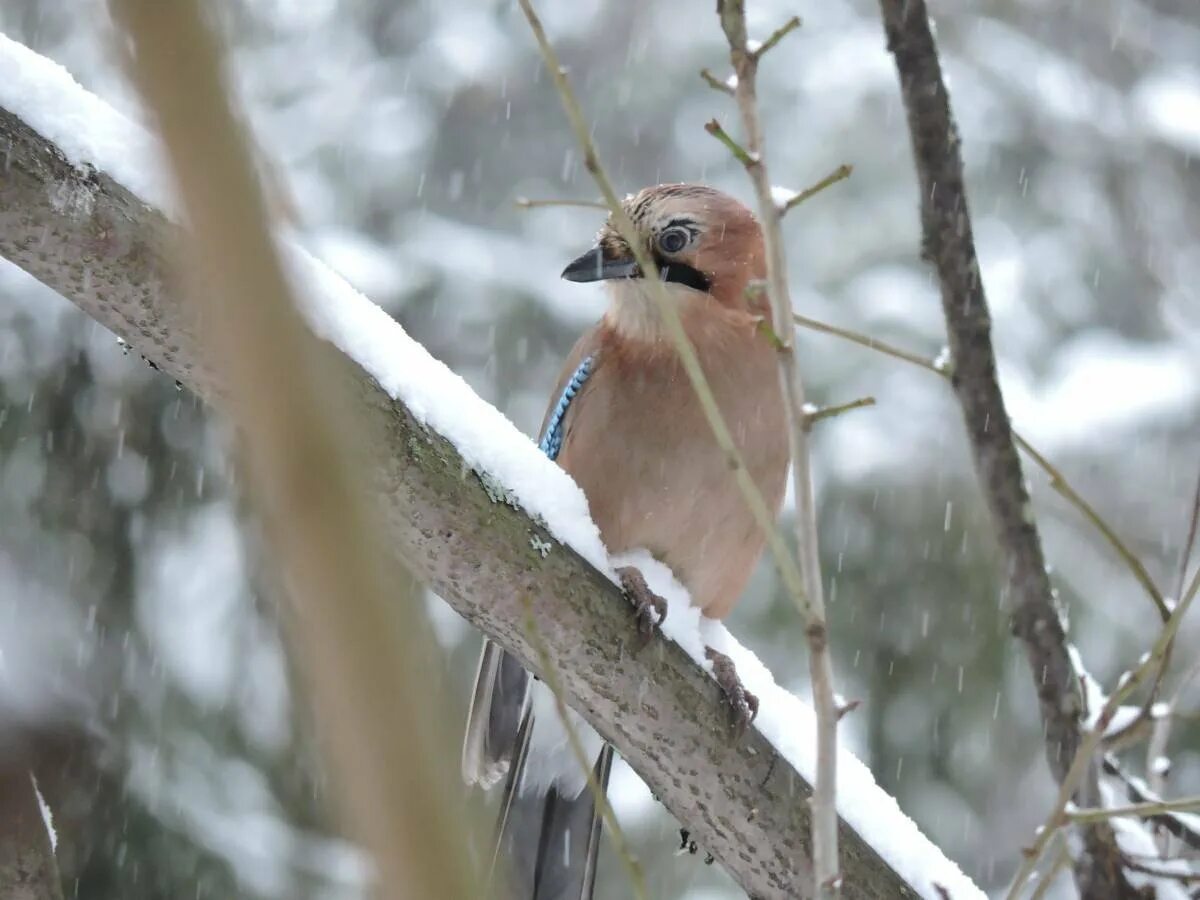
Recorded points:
(625,422)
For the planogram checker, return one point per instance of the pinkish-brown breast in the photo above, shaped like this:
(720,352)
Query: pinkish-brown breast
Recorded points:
(638,444)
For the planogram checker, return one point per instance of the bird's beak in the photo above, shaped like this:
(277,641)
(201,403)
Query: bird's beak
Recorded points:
(593,266)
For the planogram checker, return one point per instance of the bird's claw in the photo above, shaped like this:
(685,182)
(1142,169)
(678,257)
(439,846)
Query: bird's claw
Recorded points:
(743,705)
(650,610)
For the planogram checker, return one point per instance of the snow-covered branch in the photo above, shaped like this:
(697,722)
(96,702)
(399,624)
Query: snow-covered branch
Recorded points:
(468,504)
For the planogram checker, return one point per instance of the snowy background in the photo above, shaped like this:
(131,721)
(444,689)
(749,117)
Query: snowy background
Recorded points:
(402,134)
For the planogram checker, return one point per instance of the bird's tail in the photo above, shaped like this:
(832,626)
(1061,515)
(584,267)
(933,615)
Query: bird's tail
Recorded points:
(497,707)
(548,831)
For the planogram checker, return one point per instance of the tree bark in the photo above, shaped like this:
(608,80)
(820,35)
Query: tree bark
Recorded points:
(106,251)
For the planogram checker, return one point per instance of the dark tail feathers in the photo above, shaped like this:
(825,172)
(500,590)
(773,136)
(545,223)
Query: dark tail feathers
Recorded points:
(547,844)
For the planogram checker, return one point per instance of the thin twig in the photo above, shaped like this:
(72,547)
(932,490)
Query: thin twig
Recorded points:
(1146,722)
(869,342)
(1137,810)
(789,570)
(1082,760)
(1064,489)
(776,36)
(841,173)
(636,876)
(1189,543)
(732,14)
(725,87)
(1160,736)
(739,152)
(1062,860)
(828,412)
(527,203)
(1178,826)
(1159,872)
(1058,481)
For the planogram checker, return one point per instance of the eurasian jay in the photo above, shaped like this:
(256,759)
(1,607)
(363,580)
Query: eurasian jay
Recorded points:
(624,421)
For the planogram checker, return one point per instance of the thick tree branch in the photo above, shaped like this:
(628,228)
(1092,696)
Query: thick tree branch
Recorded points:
(106,251)
(949,245)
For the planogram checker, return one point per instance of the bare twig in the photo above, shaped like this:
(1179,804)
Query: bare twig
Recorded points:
(1189,542)
(1062,860)
(1058,481)
(1160,736)
(732,14)
(869,342)
(739,152)
(725,87)
(776,36)
(1082,762)
(1136,810)
(841,173)
(828,412)
(1131,560)
(527,203)
(637,877)
(1178,826)
(393,792)
(1191,877)
(948,243)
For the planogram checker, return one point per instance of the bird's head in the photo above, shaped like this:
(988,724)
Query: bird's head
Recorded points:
(705,243)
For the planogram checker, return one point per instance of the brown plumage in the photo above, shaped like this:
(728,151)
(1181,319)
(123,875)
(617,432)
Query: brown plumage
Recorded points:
(635,439)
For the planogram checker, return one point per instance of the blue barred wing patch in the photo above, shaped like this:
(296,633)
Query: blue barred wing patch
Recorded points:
(552,440)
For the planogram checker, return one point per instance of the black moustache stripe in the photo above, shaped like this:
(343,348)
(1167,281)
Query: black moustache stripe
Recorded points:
(680,273)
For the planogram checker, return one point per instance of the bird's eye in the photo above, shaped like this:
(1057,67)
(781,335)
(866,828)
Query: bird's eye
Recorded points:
(672,240)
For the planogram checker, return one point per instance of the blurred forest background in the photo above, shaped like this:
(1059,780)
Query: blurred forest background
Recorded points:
(403,132)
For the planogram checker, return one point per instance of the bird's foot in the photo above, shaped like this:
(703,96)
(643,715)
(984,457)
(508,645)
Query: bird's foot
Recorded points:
(650,610)
(743,705)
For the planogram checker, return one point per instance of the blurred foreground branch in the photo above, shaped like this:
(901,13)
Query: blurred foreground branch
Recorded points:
(356,637)
(948,244)
(743,804)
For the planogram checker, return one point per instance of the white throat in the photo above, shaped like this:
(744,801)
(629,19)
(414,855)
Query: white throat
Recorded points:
(633,308)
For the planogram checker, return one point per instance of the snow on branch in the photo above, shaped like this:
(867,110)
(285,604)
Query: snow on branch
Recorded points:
(468,503)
